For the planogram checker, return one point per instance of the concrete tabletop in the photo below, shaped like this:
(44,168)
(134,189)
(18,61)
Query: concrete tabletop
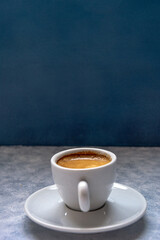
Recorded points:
(24,170)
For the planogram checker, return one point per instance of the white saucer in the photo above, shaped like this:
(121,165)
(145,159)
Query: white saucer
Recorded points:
(124,207)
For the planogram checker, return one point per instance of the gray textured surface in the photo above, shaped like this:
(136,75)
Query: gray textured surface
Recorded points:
(23,170)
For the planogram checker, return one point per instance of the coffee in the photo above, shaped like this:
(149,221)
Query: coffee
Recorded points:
(84,186)
(83,160)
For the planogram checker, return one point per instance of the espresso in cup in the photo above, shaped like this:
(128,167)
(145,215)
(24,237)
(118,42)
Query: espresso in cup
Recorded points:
(84,177)
(83,160)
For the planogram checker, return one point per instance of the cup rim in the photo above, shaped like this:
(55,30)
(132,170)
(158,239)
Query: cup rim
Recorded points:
(60,154)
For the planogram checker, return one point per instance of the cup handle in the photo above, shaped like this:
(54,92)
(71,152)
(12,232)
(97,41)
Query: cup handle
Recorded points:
(83,196)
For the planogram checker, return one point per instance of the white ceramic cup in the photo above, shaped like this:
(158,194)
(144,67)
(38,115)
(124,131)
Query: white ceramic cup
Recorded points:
(84,189)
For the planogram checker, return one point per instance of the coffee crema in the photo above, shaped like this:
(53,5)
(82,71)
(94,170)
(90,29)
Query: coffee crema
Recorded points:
(83,160)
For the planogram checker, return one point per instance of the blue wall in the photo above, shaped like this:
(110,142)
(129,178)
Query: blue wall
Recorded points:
(77,72)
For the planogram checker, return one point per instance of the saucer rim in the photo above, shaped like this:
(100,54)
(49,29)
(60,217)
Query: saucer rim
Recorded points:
(125,223)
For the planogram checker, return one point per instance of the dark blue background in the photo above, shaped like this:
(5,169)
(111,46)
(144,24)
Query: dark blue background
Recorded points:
(80,72)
